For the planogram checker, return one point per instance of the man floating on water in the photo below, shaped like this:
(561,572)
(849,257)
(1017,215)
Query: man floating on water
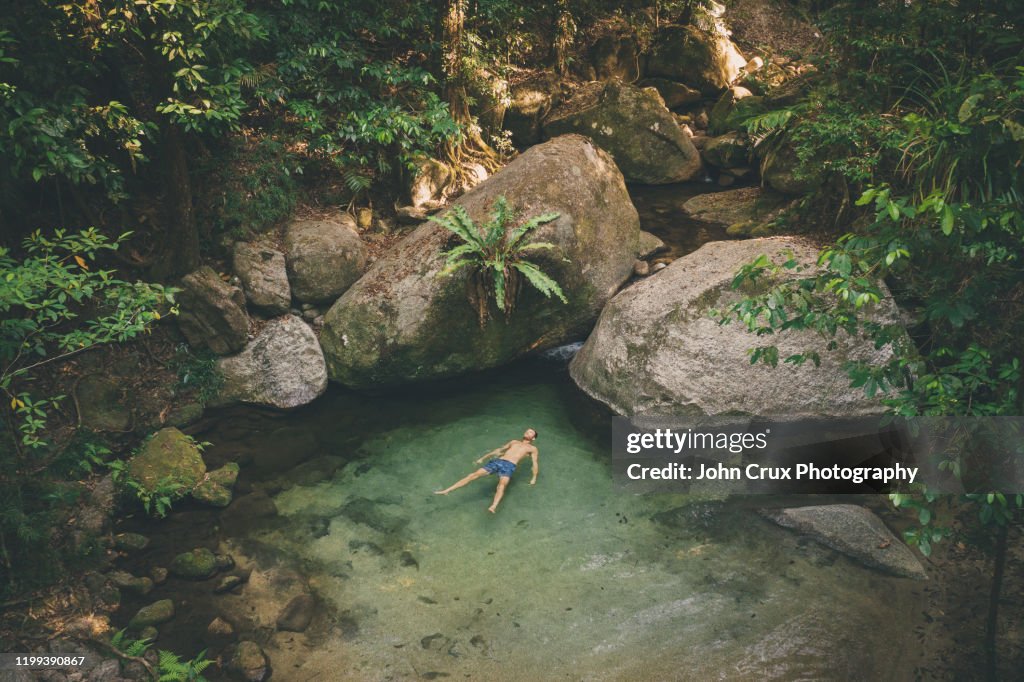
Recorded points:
(508,456)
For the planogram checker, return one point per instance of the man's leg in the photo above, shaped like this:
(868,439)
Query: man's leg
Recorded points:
(499,493)
(472,477)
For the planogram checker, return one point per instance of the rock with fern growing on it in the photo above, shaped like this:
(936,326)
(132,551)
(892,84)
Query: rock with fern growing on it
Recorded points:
(496,257)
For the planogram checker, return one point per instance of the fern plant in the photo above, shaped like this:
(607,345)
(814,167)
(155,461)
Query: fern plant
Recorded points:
(496,256)
(129,647)
(170,667)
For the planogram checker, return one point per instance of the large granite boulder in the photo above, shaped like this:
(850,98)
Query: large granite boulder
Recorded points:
(403,322)
(854,531)
(212,312)
(707,61)
(657,351)
(282,367)
(168,458)
(634,126)
(261,267)
(324,257)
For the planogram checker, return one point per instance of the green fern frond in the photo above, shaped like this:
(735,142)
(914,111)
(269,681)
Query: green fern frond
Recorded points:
(538,246)
(499,286)
(519,234)
(540,281)
(453,267)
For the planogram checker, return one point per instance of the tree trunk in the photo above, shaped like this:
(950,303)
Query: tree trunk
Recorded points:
(179,252)
(992,622)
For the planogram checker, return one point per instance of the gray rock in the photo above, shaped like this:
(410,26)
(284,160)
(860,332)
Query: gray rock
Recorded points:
(854,531)
(656,350)
(731,150)
(212,312)
(324,257)
(130,583)
(675,94)
(430,181)
(641,268)
(248,511)
(649,245)
(707,61)
(154,614)
(158,574)
(723,209)
(264,276)
(411,215)
(228,583)
(781,170)
(101,404)
(404,322)
(250,662)
(282,367)
(149,633)
(220,627)
(106,671)
(632,125)
(297,614)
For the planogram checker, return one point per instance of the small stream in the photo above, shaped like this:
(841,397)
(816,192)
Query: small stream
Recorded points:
(569,580)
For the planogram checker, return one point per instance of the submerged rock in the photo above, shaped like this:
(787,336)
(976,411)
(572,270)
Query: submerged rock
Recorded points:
(282,367)
(264,276)
(632,125)
(324,257)
(168,458)
(249,662)
(131,542)
(130,583)
(297,614)
(854,531)
(404,322)
(656,350)
(734,206)
(154,614)
(212,312)
(199,564)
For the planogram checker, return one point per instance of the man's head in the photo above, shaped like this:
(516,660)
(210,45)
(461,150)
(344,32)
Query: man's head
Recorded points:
(530,435)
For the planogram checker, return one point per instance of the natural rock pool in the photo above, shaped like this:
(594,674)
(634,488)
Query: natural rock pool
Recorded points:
(570,580)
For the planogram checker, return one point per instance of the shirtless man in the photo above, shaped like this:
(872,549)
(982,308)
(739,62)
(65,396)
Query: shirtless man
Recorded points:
(508,456)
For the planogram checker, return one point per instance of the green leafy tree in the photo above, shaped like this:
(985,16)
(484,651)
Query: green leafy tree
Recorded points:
(496,255)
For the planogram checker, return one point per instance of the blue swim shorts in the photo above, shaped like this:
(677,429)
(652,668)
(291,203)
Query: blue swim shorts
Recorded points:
(502,467)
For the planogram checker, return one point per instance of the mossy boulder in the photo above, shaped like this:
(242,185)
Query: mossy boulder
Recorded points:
(634,126)
(734,206)
(731,150)
(249,662)
(403,322)
(674,94)
(199,564)
(657,350)
(154,614)
(169,459)
(705,60)
(782,170)
(215,489)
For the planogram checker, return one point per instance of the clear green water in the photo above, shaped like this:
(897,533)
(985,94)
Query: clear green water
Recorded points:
(570,580)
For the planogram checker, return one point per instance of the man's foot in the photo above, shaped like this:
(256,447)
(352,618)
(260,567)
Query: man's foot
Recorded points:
(440,492)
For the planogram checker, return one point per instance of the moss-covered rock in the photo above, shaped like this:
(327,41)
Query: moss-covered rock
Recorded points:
(734,206)
(634,126)
(731,150)
(215,489)
(154,614)
(782,170)
(403,322)
(101,404)
(131,542)
(168,459)
(199,564)
(249,662)
(324,257)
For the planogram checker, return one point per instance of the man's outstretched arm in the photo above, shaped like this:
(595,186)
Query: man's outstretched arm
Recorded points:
(496,452)
(536,466)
